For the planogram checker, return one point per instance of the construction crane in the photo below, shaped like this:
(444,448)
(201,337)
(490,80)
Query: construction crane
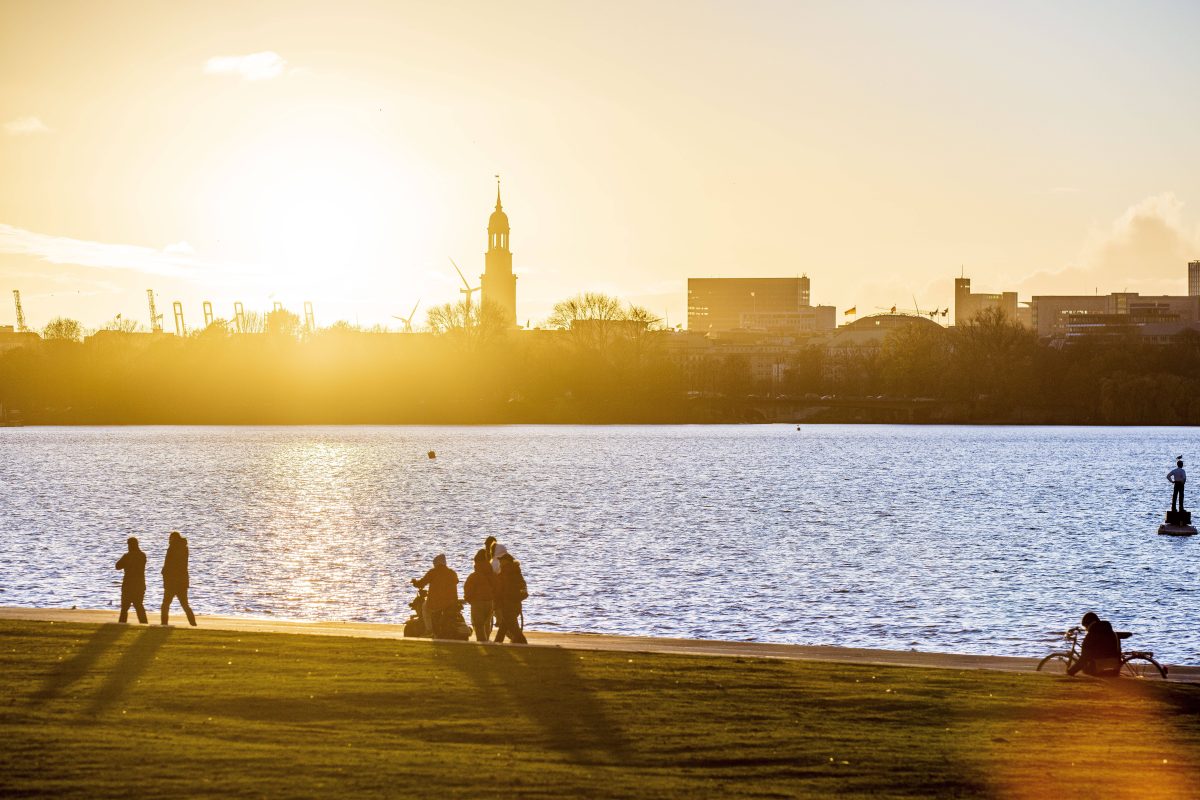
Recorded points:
(467,290)
(408,320)
(180,330)
(208,315)
(21,328)
(155,317)
(310,321)
(239,316)
(277,306)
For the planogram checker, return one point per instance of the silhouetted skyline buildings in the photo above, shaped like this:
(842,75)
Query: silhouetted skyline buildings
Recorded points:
(499,284)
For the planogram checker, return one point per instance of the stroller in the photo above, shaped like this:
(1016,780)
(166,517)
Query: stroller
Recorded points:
(451,624)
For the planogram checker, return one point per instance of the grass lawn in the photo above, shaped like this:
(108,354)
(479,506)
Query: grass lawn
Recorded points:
(116,711)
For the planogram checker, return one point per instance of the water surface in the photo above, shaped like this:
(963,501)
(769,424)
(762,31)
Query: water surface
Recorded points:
(966,539)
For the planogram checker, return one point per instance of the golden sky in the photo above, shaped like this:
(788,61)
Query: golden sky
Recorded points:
(341,152)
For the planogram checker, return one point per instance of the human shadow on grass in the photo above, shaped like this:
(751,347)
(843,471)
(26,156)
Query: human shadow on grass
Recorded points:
(543,685)
(133,662)
(79,665)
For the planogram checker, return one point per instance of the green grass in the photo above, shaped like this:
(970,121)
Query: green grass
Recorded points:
(114,711)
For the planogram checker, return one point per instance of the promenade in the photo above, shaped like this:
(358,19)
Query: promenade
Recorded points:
(591,641)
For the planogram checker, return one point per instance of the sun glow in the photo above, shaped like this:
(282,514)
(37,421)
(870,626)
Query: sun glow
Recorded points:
(318,210)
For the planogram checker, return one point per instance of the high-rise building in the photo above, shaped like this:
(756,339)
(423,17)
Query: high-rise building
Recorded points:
(727,304)
(1194,278)
(968,304)
(499,284)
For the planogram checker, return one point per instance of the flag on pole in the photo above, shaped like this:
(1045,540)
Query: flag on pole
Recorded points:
(893,311)
(849,311)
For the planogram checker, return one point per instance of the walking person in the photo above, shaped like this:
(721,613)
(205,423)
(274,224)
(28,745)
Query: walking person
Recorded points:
(443,594)
(175,577)
(512,592)
(1177,477)
(479,591)
(133,582)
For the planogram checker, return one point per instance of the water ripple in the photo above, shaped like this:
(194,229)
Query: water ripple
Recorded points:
(976,540)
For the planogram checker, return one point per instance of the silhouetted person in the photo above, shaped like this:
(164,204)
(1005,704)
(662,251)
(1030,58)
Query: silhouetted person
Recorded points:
(133,582)
(488,552)
(443,594)
(512,592)
(479,591)
(1100,654)
(175,577)
(1178,478)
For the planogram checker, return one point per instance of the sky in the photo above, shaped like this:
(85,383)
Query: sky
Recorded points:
(344,152)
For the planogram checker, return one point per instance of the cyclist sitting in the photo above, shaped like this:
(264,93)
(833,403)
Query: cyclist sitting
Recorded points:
(1100,654)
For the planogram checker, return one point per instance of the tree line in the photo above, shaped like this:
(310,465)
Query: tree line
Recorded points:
(597,360)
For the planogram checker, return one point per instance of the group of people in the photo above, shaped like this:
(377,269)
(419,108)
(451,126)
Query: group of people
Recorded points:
(174,574)
(495,590)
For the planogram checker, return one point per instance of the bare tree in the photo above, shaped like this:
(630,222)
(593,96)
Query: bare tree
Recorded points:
(254,322)
(586,306)
(61,329)
(471,324)
(283,323)
(122,324)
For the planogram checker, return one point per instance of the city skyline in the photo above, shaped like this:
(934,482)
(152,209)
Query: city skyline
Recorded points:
(266,158)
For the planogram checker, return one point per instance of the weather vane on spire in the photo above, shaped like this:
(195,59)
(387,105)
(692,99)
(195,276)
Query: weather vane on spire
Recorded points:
(497,191)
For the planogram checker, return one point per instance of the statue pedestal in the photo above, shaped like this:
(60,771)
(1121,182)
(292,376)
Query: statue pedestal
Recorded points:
(1178,523)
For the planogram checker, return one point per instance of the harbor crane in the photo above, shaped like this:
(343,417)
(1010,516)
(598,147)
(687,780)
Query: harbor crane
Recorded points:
(21,327)
(155,317)
(408,320)
(208,314)
(239,316)
(180,329)
(276,306)
(467,290)
(310,320)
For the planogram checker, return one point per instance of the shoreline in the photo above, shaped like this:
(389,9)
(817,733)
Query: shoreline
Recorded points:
(592,641)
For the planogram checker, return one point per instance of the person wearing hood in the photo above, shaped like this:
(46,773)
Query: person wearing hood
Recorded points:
(133,582)
(443,593)
(512,591)
(175,577)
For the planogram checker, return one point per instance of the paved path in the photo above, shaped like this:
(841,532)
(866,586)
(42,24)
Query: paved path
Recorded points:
(591,641)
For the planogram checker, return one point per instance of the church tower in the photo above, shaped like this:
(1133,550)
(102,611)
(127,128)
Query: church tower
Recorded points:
(499,285)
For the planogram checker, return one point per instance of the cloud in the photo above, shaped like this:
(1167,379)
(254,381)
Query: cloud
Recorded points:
(180,248)
(1145,249)
(252,67)
(171,261)
(25,126)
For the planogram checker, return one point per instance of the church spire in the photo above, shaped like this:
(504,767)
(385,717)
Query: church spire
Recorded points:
(498,208)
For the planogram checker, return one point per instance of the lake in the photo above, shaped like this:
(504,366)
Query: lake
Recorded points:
(964,539)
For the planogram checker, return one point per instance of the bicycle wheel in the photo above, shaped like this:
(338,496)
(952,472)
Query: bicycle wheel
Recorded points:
(1136,665)
(1055,664)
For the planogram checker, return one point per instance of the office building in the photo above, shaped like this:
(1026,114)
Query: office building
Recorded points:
(777,304)
(968,304)
(1073,316)
(1194,278)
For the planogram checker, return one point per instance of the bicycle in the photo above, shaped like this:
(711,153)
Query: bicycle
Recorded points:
(1134,663)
